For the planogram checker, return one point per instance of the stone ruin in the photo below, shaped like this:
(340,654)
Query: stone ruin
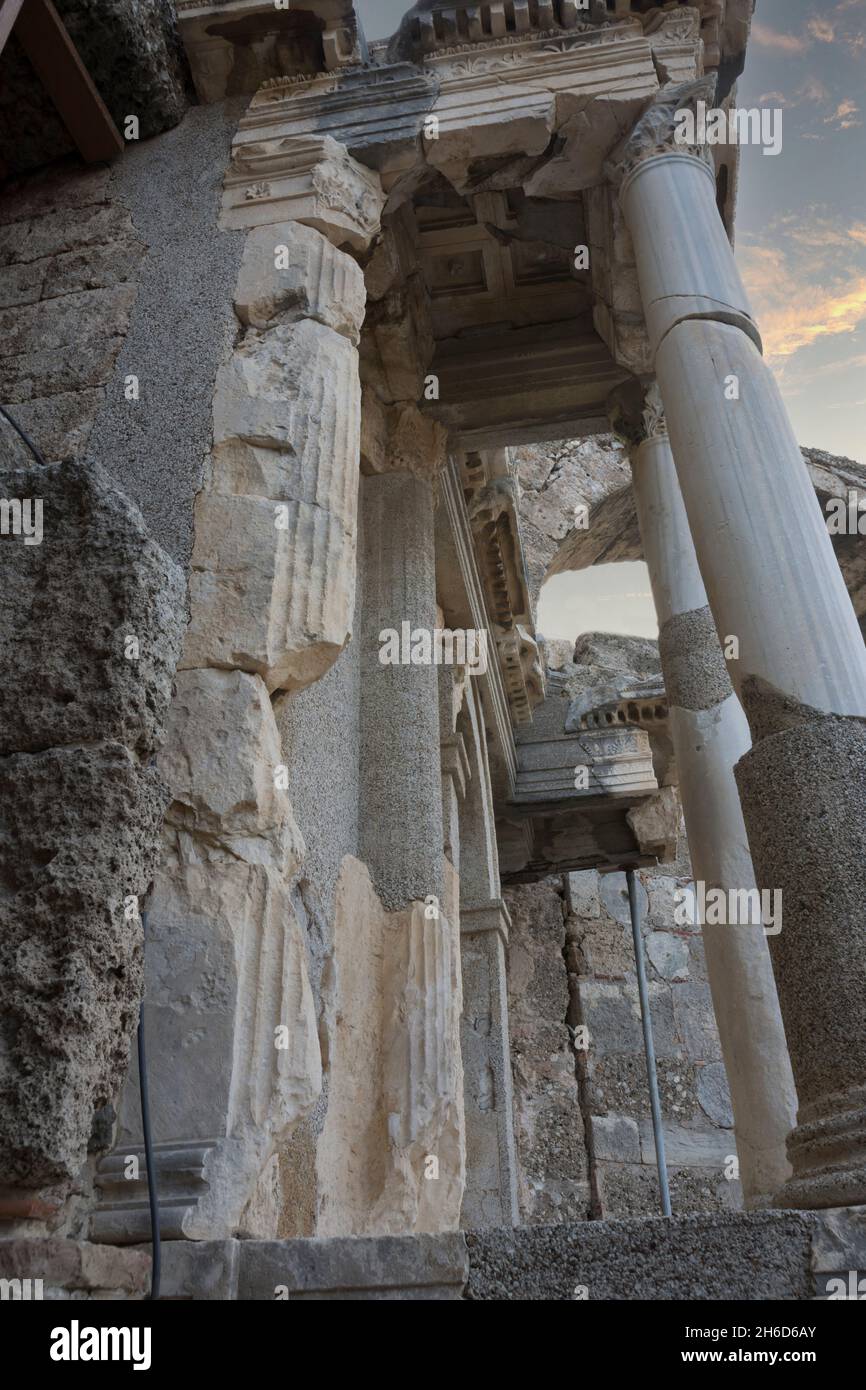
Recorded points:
(344,339)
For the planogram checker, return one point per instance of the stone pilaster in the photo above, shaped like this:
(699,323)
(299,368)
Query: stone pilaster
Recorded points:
(710,734)
(796,655)
(490,1198)
(235,1054)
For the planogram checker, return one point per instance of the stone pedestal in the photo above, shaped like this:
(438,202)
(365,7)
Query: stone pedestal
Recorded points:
(710,734)
(781,609)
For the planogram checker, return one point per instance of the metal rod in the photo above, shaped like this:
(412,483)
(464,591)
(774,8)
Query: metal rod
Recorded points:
(149,1158)
(649,1046)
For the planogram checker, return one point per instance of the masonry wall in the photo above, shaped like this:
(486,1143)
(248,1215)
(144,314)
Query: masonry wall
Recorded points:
(115,272)
(582,1115)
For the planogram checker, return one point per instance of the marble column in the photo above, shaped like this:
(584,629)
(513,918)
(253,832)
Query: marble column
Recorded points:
(710,734)
(794,648)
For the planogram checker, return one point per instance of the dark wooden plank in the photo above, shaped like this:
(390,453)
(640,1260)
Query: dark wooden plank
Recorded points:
(55,60)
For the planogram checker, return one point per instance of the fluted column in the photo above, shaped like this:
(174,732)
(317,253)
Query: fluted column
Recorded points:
(710,734)
(796,656)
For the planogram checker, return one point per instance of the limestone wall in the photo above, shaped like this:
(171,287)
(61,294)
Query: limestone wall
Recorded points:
(582,1116)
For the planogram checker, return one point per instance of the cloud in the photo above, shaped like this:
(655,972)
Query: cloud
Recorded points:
(844,117)
(806,283)
(821,29)
(771,38)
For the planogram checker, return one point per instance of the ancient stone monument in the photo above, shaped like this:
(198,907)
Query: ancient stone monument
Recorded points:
(329,357)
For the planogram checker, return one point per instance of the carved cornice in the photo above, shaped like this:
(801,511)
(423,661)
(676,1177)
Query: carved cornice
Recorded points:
(308,179)
(490,491)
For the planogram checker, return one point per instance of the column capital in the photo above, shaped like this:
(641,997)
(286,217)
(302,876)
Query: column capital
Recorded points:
(656,131)
(637,414)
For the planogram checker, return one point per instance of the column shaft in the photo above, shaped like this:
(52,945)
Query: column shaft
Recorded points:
(710,734)
(796,655)
(401,791)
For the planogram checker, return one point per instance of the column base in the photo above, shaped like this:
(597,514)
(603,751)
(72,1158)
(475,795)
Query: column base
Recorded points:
(828,1155)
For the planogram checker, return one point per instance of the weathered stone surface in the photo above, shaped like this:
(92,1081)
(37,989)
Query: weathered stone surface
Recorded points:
(75,1269)
(818,769)
(391,1155)
(553,1178)
(277,602)
(287,419)
(234,1056)
(750,1257)
(221,760)
(713,1094)
(669,955)
(656,824)
(78,834)
(399,439)
(310,179)
(615,1137)
(367,1267)
(291,271)
(91,617)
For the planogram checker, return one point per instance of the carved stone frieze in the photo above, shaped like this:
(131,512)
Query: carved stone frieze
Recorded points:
(491,498)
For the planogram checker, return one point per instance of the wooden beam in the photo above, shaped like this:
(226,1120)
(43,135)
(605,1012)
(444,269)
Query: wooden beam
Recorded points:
(55,60)
(8,14)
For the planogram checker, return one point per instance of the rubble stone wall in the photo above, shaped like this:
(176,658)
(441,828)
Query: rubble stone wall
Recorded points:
(582,1113)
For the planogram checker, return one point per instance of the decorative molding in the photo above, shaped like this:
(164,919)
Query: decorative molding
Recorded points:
(491,916)
(309,179)
(653,414)
(654,132)
(491,492)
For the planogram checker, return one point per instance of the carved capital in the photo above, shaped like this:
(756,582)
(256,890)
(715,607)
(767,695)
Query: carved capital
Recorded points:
(653,414)
(637,414)
(656,131)
(311,179)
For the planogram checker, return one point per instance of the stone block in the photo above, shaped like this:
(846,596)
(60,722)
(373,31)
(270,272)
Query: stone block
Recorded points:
(714,1095)
(429,1267)
(286,421)
(55,323)
(396,1092)
(582,893)
(615,1138)
(613,891)
(668,954)
(273,601)
(289,271)
(220,760)
(78,834)
(29,376)
(61,423)
(93,615)
(748,1256)
(233,1052)
(696,1021)
(74,1269)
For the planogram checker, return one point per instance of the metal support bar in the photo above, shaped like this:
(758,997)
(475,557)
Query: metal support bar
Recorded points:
(649,1046)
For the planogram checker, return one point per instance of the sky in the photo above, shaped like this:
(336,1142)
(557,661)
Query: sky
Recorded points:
(801,249)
